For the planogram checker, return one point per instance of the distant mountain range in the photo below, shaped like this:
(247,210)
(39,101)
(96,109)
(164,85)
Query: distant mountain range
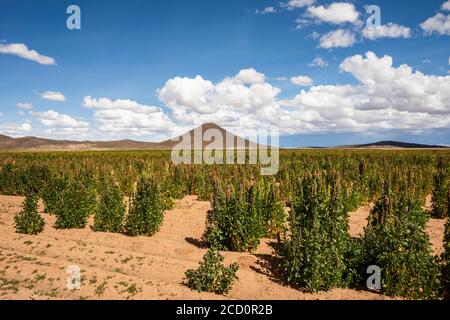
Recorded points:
(393,145)
(36,144)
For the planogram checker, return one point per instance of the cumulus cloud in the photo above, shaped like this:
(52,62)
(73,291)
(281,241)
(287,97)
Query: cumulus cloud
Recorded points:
(335,13)
(385,98)
(390,30)
(250,76)
(25,106)
(57,120)
(53,96)
(337,39)
(446,6)
(302,81)
(16,129)
(125,117)
(439,24)
(318,62)
(21,50)
(400,88)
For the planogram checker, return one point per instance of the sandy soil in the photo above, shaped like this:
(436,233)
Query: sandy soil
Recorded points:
(114,266)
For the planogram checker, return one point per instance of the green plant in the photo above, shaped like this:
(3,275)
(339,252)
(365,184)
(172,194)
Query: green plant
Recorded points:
(29,221)
(212,275)
(110,210)
(446,262)
(236,219)
(440,194)
(76,203)
(396,241)
(146,211)
(313,258)
(51,194)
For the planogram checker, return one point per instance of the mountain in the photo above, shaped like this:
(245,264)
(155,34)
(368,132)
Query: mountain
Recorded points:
(392,145)
(34,143)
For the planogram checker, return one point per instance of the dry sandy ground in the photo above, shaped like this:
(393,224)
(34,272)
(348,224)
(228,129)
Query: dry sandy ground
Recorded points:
(115,266)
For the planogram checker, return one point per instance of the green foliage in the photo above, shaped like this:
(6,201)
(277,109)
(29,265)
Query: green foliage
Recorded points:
(212,275)
(446,263)
(76,203)
(396,241)
(313,258)
(440,195)
(146,210)
(240,217)
(29,221)
(51,195)
(110,210)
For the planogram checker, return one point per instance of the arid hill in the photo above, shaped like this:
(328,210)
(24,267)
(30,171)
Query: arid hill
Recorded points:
(393,145)
(34,143)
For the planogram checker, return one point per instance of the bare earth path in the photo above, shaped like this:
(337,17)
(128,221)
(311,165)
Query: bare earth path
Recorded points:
(115,266)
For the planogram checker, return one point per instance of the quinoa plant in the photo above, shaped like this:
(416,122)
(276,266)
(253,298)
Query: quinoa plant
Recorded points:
(110,210)
(146,211)
(29,221)
(212,275)
(313,257)
(76,203)
(396,241)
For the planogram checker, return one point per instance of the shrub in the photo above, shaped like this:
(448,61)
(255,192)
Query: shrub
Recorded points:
(110,210)
(29,221)
(75,204)
(236,219)
(146,211)
(212,275)
(446,263)
(396,241)
(274,214)
(52,193)
(313,258)
(440,194)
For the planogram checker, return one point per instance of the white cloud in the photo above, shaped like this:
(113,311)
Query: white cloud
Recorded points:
(127,117)
(21,50)
(24,106)
(335,13)
(390,30)
(15,129)
(53,96)
(399,88)
(439,24)
(57,120)
(230,102)
(302,81)
(266,10)
(293,4)
(386,98)
(446,6)
(318,62)
(250,76)
(337,39)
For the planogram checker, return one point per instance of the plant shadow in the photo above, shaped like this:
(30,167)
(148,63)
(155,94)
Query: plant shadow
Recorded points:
(199,243)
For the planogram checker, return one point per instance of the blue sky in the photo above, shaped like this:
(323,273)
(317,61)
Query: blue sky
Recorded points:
(147,70)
